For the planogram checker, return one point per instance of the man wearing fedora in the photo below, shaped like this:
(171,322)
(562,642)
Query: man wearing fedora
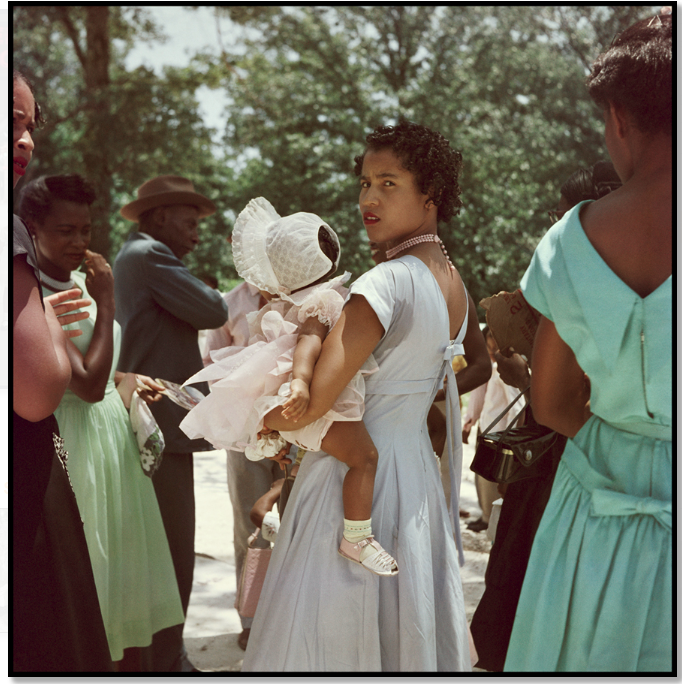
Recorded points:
(161,307)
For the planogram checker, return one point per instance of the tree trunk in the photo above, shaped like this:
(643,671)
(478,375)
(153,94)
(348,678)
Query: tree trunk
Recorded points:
(96,66)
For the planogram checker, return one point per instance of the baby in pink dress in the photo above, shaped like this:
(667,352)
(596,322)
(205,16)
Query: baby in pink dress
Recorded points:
(289,259)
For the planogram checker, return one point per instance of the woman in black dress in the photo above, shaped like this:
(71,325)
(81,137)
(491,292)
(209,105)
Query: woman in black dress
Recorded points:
(57,625)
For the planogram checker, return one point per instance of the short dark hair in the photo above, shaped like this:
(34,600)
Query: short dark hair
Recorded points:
(426,154)
(635,74)
(592,183)
(36,198)
(37,114)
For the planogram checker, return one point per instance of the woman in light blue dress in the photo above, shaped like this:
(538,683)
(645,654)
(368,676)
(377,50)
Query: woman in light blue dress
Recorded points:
(317,612)
(597,595)
(131,561)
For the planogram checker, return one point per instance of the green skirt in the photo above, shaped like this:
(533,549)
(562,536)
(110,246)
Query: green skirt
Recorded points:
(597,595)
(134,575)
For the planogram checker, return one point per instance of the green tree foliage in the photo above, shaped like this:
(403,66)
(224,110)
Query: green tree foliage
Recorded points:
(118,128)
(503,83)
(306,84)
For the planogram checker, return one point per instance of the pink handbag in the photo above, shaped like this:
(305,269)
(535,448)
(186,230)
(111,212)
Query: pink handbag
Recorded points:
(253,575)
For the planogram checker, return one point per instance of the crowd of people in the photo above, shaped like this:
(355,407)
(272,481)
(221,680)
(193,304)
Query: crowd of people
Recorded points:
(323,397)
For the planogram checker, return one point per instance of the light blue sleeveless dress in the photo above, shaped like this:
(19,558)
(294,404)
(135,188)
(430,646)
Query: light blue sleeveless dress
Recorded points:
(134,575)
(320,612)
(597,595)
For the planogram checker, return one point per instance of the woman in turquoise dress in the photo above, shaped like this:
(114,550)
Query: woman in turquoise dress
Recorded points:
(597,595)
(131,561)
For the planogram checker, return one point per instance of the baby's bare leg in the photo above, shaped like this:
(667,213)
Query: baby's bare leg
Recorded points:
(351,444)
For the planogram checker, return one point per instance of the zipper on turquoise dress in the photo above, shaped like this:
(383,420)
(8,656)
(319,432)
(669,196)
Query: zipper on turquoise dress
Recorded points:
(646,404)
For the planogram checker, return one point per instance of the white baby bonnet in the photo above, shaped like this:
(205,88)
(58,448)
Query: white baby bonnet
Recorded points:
(278,254)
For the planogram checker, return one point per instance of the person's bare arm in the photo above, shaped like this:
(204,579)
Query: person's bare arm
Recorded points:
(346,347)
(473,413)
(266,502)
(478,369)
(40,363)
(306,354)
(560,392)
(127,383)
(90,373)
(437,427)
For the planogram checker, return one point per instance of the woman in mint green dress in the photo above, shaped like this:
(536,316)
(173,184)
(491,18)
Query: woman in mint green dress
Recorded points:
(597,595)
(131,561)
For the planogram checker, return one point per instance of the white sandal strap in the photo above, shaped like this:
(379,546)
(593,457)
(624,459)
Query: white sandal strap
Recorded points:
(379,558)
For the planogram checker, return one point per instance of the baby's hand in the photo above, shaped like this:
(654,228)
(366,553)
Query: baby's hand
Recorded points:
(297,404)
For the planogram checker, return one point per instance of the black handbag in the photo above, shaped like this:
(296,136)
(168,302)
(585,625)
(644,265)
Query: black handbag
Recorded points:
(517,453)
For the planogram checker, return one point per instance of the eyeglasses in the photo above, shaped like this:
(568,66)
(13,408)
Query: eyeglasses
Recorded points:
(555,215)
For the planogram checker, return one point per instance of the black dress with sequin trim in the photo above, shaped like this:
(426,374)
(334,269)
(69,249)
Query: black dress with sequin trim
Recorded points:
(56,621)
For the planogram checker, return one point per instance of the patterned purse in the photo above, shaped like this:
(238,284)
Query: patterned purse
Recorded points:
(252,578)
(149,437)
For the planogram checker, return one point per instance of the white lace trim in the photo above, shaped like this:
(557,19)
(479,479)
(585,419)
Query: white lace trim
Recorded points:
(326,306)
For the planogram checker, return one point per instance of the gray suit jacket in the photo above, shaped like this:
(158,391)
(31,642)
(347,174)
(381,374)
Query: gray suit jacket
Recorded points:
(161,306)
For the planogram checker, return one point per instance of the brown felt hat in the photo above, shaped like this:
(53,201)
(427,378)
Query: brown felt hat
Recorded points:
(164,190)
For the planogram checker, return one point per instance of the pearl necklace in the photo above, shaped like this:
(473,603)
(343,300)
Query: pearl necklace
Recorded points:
(56,285)
(411,242)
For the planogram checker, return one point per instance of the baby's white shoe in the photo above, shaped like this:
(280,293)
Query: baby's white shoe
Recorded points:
(266,447)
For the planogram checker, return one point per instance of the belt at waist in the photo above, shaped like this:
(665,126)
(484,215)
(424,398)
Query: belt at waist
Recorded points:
(605,499)
(652,430)
(375,386)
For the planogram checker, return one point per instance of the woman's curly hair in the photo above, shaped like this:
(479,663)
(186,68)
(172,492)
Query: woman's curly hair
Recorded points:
(427,155)
(635,74)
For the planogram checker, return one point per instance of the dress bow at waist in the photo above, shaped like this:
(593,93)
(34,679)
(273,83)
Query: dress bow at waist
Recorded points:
(606,500)
(609,502)
(452,350)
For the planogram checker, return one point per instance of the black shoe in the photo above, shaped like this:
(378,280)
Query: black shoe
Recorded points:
(477,525)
